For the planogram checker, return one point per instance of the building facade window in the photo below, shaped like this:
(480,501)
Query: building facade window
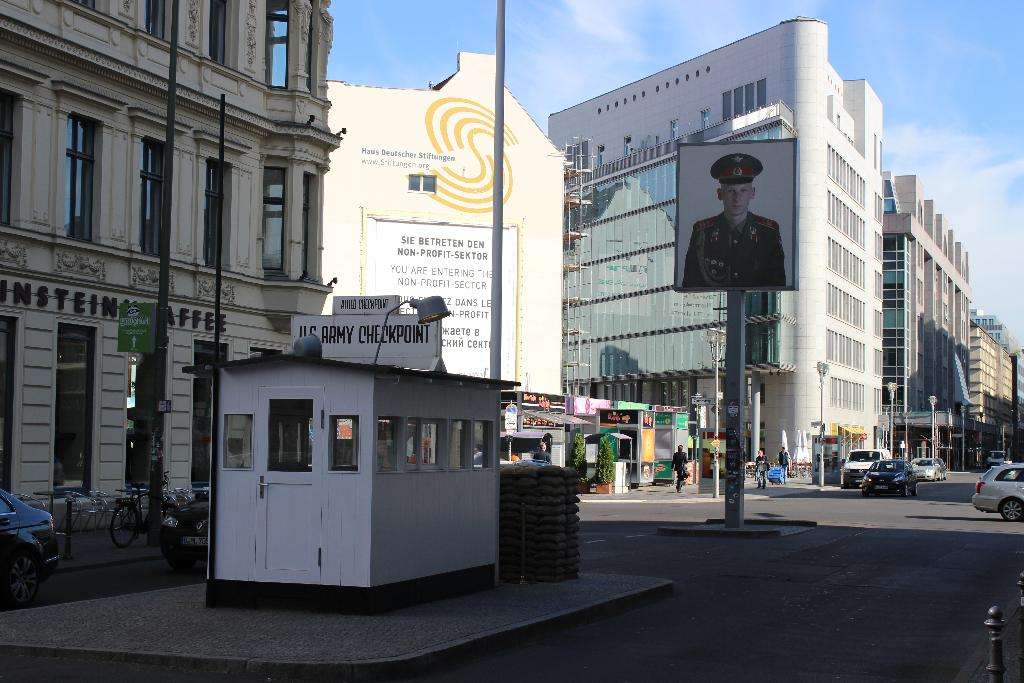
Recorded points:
(212,197)
(79,178)
(726,106)
(308,181)
(705,118)
(91,4)
(310,55)
(218,30)
(277,43)
(152,177)
(73,407)
(762,93)
(204,353)
(156,13)
(6,156)
(273,218)
(422,183)
(6,398)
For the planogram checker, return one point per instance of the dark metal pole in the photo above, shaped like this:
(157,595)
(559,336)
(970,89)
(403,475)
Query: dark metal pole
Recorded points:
(735,407)
(156,462)
(1020,631)
(498,190)
(215,383)
(995,625)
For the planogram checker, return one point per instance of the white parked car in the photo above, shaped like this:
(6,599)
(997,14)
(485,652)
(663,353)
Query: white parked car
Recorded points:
(1001,489)
(930,469)
(858,463)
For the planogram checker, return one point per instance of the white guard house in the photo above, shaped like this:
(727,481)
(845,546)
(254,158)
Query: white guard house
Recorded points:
(356,487)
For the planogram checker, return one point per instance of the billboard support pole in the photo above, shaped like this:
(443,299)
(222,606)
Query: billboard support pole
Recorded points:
(498,192)
(735,402)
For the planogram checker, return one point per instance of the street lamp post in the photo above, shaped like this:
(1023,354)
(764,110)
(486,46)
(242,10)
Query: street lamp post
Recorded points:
(892,386)
(963,436)
(716,342)
(932,400)
(822,373)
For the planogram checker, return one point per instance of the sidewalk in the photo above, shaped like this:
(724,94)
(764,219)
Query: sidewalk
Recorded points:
(94,549)
(664,494)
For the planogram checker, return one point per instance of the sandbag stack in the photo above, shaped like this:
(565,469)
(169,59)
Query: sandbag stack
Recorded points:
(539,529)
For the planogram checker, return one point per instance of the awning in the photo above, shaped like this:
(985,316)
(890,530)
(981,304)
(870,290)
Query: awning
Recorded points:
(555,418)
(856,430)
(525,434)
(594,438)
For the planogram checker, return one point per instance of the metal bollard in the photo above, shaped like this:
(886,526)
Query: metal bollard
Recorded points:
(995,625)
(69,508)
(522,543)
(1020,631)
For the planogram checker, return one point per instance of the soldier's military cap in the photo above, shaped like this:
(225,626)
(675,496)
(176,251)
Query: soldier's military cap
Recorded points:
(733,169)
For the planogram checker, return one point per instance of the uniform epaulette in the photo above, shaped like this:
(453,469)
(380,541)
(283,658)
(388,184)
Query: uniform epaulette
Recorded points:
(764,222)
(704,224)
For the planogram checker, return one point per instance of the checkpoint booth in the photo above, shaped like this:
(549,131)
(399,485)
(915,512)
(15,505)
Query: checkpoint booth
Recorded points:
(355,487)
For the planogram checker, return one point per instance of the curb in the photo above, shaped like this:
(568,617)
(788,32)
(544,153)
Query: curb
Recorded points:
(770,522)
(407,665)
(703,531)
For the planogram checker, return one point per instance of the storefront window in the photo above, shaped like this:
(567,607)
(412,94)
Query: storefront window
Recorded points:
(481,444)
(72,447)
(202,415)
(139,405)
(458,443)
(344,443)
(6,398)
(387,444)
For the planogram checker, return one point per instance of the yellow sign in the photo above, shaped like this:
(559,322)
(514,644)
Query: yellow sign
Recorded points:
(455,124)
(647,439)
(715,443)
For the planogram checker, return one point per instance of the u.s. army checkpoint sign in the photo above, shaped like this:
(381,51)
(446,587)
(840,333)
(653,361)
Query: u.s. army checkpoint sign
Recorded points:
(404,342)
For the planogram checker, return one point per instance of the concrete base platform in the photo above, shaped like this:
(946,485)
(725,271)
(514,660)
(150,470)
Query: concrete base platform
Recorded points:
(718,530)
(299,644)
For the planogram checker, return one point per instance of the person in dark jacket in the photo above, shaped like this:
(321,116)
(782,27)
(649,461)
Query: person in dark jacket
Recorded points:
(784,463)
(679,467)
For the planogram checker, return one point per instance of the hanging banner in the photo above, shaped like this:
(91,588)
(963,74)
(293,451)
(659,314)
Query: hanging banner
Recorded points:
(355,338)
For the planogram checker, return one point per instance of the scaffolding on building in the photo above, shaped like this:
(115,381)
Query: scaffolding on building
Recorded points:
(577,283)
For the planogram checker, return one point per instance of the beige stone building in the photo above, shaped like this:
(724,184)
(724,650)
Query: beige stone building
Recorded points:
(82,107)
(990,384)
(408,211)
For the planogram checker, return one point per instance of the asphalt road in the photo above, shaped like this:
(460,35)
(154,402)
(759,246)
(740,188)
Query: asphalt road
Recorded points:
(886,588)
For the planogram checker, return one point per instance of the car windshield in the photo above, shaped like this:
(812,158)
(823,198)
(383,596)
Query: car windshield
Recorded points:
(924,462)
(864,456)
(887,466)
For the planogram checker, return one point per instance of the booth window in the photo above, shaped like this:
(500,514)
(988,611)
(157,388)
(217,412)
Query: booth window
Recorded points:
(412,442)
(481,445)
(289,435)
(430,442)
(387,444)
(458,444)
(344,443)
(238,442)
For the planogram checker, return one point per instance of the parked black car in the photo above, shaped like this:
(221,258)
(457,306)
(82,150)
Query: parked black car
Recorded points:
(890,476)
(184,534)
(28,550)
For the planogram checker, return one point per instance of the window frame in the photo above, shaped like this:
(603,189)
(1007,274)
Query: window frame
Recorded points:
(464,441)
(440,445)
(413,464)
(281,201)
(218,31)
(6,156)
(155,19)
(311,81)
(396,421)
(354,467)
(224,457)
(212,196)
(151,183)
(307,227)
(77,162)
(277,17)
(87,334)
(488,455)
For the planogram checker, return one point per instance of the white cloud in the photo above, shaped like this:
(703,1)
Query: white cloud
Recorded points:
(975,182)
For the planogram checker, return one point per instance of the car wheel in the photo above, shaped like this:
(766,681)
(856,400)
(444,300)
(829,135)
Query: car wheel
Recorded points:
(181,564)
(1012,510)
(19,581)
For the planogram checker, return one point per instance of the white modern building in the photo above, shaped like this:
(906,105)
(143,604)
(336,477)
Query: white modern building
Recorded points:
(408,207)
(82,115)
(640,341)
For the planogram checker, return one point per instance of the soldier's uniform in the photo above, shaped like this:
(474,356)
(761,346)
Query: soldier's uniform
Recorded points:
(747,255)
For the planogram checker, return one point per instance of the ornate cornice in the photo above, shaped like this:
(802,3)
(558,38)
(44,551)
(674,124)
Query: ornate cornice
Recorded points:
(149,278)
(13,253)
(205,290)
(76,263)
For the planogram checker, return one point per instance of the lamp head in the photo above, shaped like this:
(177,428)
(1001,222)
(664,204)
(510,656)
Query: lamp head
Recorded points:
(932,400)
(823,369)
(430,309)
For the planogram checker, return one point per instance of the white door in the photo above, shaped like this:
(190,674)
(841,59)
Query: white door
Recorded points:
(289,467)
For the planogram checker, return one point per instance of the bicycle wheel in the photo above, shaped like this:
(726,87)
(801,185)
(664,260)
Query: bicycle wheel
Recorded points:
(124,526)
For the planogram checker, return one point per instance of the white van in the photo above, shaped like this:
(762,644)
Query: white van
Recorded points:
(858,463)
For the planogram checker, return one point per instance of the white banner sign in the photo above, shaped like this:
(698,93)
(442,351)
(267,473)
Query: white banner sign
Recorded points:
(363,304)
(404,342)
(452,261)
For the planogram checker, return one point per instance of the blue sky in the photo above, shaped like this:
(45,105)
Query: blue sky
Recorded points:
(948,73)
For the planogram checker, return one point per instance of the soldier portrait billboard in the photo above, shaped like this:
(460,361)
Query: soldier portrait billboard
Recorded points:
(736,216)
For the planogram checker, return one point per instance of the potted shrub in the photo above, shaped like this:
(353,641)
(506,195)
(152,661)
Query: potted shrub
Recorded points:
(604,475)
(579,461)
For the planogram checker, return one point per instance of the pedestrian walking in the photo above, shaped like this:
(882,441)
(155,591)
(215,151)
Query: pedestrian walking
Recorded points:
(761,469)
(784,463)
(679,467)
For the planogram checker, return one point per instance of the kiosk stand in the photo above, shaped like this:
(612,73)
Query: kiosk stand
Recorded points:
(352,487)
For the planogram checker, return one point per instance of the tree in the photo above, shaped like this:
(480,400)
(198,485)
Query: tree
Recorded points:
(605,473)
(579,456)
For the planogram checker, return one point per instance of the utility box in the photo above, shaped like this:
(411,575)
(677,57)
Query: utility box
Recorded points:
(354,487)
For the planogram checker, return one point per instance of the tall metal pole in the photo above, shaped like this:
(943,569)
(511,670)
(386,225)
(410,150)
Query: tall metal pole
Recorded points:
(735,402)
(215,383)
(498,193)
(156,461)
(718,439)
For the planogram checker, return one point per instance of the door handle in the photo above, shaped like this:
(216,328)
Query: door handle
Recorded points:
(263,486)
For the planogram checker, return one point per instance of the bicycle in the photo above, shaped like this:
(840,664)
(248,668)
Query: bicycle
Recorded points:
(128,522)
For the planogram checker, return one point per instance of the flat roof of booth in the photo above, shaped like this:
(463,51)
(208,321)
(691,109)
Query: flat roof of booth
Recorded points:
(365,367)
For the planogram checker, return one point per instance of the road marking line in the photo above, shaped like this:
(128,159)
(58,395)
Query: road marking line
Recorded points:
(597,540)
(639,535)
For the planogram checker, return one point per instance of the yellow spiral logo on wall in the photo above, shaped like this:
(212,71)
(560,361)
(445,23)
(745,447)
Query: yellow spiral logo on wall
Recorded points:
(455,124)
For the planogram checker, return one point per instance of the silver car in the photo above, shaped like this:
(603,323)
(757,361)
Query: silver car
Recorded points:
(930,469)
(1001,489)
